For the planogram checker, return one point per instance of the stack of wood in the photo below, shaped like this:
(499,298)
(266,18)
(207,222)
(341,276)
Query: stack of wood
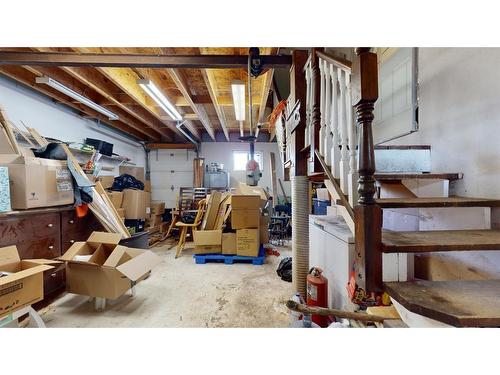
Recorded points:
(101,205)
(217,212)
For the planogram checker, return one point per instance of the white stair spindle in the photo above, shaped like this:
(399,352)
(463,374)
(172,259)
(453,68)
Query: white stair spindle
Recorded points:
(344,154)
(353,139)
(335,152)
(327,140)
(321,108)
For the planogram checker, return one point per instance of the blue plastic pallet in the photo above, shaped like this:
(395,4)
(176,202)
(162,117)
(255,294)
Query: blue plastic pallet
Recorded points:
(230,259)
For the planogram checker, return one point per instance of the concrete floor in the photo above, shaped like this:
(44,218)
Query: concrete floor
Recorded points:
(180,293)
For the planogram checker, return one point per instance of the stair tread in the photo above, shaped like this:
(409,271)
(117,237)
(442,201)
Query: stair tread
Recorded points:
(391,176)
(437,202)
(443,240)
(461,303)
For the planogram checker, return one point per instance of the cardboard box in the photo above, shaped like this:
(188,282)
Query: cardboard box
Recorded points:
(242,219)
(24,285)
(106,181)
(36,182)
(136,203)
(116,198)
(100,267)
(244,189)
(245,202)
(121,212)
(248,242)
(147,185)
(229,243)
(4,190)
(207,241)
(155,220)
(157,207)
(264,232)
(137,172)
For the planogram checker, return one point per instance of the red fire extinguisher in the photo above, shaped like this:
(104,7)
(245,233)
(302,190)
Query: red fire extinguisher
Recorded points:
(317,294)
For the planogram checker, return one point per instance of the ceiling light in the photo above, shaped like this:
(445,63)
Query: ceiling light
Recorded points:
(73,94)
(159,98)
(238,90)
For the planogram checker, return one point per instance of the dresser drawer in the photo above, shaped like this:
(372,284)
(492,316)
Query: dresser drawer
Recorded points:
(54,280)
(77,229)
(36,236)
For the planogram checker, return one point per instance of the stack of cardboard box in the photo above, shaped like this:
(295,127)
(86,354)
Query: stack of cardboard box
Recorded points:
(155,217)
(247,230)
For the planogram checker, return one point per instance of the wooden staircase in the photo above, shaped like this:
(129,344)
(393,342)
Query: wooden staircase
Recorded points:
(458,303)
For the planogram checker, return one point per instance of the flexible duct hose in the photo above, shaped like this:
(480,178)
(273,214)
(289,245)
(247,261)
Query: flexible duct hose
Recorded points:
(300,233)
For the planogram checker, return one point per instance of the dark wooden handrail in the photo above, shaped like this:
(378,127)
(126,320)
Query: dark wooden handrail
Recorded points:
(337,61)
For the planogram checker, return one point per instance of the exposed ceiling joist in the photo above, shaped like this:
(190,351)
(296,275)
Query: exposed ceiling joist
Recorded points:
(83,89)
(209,82)
(27,78)
(138,60)
(183,87)
(171,146)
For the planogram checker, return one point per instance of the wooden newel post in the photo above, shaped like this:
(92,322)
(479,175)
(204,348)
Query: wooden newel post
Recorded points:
(368,215)
(316,108)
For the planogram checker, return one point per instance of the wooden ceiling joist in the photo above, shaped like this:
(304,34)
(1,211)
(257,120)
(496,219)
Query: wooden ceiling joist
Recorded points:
(183,87)
(171,146)
(138,60)
(81,88)
(27,78)
(209,82)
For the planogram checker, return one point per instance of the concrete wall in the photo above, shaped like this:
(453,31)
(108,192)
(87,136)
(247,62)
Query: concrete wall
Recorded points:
(460,119)
(222,152)
(58,121)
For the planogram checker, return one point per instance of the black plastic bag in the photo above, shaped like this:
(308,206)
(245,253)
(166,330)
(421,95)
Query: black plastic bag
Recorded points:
(285,269)
(126,181)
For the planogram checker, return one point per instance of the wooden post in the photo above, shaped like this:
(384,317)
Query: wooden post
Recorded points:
(368,215)
(316,111)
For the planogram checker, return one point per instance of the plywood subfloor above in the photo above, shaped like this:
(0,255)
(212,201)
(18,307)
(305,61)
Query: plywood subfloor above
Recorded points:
(446,240)
(461,303)
(437,202)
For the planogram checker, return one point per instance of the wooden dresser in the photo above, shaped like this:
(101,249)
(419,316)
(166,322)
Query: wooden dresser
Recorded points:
(46,233)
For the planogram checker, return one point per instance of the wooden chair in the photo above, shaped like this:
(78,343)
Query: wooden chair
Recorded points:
(185,226)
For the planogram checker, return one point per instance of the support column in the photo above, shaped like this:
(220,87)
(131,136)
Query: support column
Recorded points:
(368,215)
(299,179)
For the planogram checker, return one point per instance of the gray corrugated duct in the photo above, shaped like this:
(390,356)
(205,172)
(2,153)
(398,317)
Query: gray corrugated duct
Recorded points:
(300,233)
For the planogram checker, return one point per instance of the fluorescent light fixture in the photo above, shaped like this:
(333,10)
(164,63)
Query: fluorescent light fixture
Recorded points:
(159,98)
(73,94)
(238,90)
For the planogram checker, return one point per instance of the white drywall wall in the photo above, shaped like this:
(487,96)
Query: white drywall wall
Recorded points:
(58,121)
(459,105)
(222,152)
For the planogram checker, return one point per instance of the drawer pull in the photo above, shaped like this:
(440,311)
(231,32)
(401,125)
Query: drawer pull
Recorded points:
(50,225)
(71,222)
(71,241)
(53,274)
(51,247)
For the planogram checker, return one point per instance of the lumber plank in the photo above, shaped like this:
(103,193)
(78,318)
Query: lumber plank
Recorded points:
(461,303)
(445,240)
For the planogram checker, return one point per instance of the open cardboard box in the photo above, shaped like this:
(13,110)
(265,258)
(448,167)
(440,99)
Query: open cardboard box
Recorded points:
(100,267)
(23,286)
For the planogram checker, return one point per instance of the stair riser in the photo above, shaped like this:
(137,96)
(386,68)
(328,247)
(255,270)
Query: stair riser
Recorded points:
(403,160)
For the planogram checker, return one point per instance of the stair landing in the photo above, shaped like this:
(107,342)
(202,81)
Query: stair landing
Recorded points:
(442,240)
(458,303)
(436,202)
